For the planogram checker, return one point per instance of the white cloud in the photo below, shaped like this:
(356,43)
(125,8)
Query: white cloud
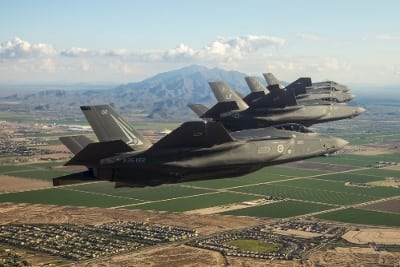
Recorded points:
(237,47)
(309,37)
(118,53)
(121,67)
(48,65)
(85,65)
(79,52)
(180,51)
(18,48)
(387,37)
(221,50)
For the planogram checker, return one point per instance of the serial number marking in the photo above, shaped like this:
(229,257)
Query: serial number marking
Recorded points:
(136,160)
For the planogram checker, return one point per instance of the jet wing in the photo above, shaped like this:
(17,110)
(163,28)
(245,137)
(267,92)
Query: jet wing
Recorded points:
(220,109)
(194,134)
(75,178)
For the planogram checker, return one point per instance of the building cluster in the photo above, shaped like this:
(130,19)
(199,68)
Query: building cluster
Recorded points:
(383,164)
(308,226)
(287,246)
(145,233)
(11,258)
(23,146)
(86,242)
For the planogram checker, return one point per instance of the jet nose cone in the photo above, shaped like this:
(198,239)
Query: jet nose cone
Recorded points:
(339,143)
(360,110)
(333,144)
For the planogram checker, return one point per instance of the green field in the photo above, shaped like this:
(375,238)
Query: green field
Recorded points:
(65,196)
(283,209)
(255,245)
(144,194)
(265,175)
(359,216)
(357,160)
(42,171)
(345,159)
(304,191)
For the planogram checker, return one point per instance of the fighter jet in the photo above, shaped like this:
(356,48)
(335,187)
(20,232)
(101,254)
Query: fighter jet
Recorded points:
(310,92)
(196,150)
(277,107)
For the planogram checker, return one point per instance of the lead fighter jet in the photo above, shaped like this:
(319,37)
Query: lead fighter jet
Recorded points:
(196,150)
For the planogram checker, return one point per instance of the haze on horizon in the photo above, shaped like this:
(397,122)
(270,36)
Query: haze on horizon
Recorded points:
(125,41)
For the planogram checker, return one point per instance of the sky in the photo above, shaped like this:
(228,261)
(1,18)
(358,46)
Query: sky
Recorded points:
(119,41)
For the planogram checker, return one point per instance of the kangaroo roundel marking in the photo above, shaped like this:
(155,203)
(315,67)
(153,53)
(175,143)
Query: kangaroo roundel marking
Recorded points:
(280,148)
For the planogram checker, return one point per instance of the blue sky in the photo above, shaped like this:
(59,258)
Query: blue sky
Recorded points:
(123,41)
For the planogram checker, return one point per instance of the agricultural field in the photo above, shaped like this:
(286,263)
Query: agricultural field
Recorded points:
(359,216)
(297,191)
(281,209)
(325,187)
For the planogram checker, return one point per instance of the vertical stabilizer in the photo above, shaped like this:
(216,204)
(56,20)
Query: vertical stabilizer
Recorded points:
(75,143)
(223,93)
(108,125)
(255,85)
(199,109)
(272,80)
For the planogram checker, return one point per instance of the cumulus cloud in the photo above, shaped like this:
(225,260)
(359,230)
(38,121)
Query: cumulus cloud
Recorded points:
(387,37)
(18,48)
(118,53)
(308,37)
(229,48)
(121,67)
(237,47)
(79,52)
(48,65)
(221,50)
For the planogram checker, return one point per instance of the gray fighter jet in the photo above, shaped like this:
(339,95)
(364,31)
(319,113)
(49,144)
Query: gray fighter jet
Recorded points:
(279,106)
(194,151)
(304,89)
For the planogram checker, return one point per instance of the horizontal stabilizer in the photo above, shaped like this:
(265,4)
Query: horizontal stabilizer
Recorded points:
(253,97)
(299,86)
(274,88)
(75,143)
(219,109)
(199,109)
(194,134)
(75,178)
(94,152)
(277,98)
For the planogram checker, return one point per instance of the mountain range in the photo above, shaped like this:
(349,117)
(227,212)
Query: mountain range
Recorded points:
(162,97)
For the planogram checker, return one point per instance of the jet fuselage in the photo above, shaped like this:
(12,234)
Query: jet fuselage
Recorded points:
(242,156)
